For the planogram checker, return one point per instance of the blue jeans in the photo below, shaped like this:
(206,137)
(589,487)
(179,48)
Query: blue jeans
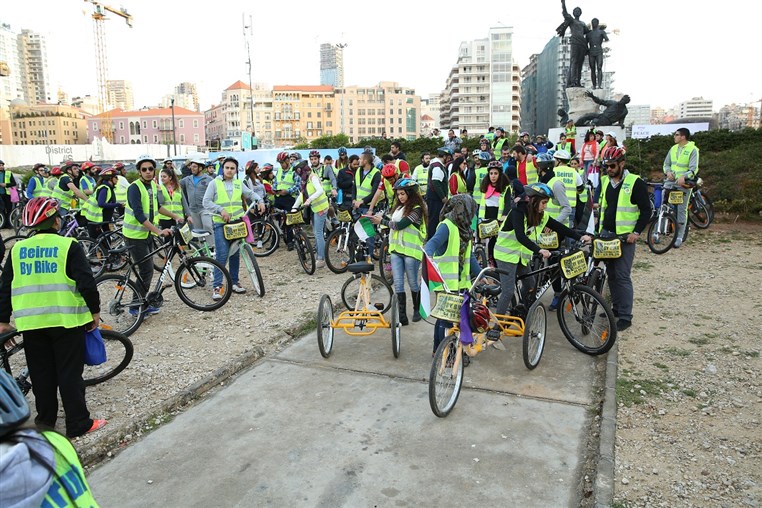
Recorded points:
(318,226)
(222,248)
(402,265)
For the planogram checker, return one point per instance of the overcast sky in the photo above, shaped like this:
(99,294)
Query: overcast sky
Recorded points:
(666,52)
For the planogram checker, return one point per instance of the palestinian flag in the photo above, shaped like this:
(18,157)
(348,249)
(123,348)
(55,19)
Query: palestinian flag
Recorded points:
(431,281)
(364,229)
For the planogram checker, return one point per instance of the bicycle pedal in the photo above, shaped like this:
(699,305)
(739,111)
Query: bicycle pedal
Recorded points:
(379,306)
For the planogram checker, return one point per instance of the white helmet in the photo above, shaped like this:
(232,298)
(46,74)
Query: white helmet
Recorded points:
(562,154)
(143,158)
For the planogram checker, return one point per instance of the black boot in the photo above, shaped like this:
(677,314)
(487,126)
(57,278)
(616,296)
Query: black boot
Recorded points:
(401,301)
(416,306)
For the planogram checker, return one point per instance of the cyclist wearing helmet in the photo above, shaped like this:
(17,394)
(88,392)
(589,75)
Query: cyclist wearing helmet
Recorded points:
(541,144)
(315,197)
(86,181)
(38,467)
(267,176)
(477,174)
(681,162)
(406,238)
(495,200)
(625,210)
(193,188)
(122,183)
(324,172)
(421,172)
(437,189)
(67,191)
(390,174)
(35,187)
(559,207)
(49,288)
(288,185)
(100,206)
(169,186)
(343,160)
(52,182)
(345,181)
(498,142)
(571,181)
(517,240)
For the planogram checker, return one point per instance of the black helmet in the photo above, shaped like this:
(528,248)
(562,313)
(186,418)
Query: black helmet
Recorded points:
(14,409)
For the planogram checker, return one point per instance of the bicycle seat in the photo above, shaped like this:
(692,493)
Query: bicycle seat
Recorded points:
(360,267)
(489,289)
(200,233)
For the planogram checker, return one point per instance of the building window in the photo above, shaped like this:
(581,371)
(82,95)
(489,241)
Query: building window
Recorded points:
(155,139)
(95,126)
(182,139)
(154,124)
(145,139)
(121,126)
(121,139)
(132,128)
(181,123)
(144,124)
(195,124)
(195,139)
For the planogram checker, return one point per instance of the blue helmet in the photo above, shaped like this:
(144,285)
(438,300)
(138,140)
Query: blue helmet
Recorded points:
(544,161)
(538,190)
(342,150)
(444,149)
(485,156)
(406,184)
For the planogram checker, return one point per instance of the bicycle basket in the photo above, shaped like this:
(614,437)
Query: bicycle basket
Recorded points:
(607,249)
(345,216)
(675,198)
(488,229)
(235,231)
(185,234)
(573,265)
(294,218)
(548,240)
(448,307)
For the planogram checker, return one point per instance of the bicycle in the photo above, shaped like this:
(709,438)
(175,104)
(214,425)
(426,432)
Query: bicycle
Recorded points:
(266,233)
(249,258)
(700,207)
(662,230)
(119,351)
(304,249)
(127,307)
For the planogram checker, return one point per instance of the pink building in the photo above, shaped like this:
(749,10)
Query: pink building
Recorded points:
(149,126)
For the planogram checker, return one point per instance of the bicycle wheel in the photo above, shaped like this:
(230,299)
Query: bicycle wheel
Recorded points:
(385,263)
(252,266)
(324,327)
(395,326)
(698,212)
(193,283)
(266,238)
(380,292)
(586,320)
(119,352)
(338,251)
(121,303)
(481,256)
(662,233)
(96,255)
(446,376)
(535,329)
(305,252)
(597,280)
(15,218)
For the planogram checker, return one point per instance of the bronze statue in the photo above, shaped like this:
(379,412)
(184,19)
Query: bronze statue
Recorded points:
(578,30)
(595,38)
(614,114)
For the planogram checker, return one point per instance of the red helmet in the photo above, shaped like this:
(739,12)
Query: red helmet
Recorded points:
(96,170)
(314,153)
(613,154)
(480,317)
(282,157)
(56,171)
(389,170)
(118,166)
(87,165)
(38,210)
(107,173)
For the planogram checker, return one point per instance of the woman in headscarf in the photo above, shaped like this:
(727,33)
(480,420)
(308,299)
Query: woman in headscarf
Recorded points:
(450,249)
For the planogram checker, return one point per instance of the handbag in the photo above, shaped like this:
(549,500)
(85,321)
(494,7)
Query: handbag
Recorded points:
(235,230)
(95,349)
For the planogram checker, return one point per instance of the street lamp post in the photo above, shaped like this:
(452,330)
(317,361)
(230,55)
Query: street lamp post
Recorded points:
(174,134)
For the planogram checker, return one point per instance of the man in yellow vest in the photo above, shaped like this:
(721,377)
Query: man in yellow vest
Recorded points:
(287,187)
(66,192)
(681,162)
(624,212)
(49,288)
(35,187)
(421,172)
(144,203)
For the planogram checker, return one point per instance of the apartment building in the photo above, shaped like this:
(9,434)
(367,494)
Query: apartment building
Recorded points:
(47,124)
(152,126)
(302,113)
(119,95)
(385,110)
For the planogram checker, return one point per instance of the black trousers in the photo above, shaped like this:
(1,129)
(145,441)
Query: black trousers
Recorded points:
(434,206)
(5,208)
(55,357)
(140,249)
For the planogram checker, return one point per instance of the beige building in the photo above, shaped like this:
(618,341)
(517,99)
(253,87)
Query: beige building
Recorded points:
(386,109)
(119,95)
(48,124)
(302,113)
(230,122)
(33,60)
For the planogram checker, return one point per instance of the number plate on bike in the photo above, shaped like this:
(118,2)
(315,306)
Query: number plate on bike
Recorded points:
(186,234)
(675,198)
(488,229)
(548,240)
(448,307)
(344,216)
(573,265)
(607,249)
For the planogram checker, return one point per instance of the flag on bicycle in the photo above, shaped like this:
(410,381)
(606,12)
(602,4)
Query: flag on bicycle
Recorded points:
(364,229)
(431,281)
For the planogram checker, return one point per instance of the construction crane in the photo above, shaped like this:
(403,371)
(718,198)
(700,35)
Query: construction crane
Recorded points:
(101,58)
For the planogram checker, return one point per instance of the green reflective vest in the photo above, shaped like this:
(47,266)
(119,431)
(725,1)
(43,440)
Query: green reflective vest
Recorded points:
(510,250)
(285,179)
(389,192)
(449,264)
(66,198)
(497,147)
(91,210)
(231,204)
(461,189)
(422,178)
(408,241)
(7,178)
(363,184)
(531,170)
(86,183)
(568,175)
(132,228)
(627,213)
(479,174)
(121,189)
(172,203)
(500,207)
(40,189)
(680,165)
(319,204)
(582,196)
(42,295)
(69,487)
(554,206)
(50,186)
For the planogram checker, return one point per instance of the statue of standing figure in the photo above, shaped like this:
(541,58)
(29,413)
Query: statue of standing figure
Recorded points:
(578,30)
(595,38)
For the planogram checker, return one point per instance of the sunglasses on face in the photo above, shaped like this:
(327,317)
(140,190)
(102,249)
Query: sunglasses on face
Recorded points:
(611,165)
(147,170)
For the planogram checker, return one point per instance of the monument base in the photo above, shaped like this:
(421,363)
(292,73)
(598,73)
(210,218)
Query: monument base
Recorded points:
(580,104)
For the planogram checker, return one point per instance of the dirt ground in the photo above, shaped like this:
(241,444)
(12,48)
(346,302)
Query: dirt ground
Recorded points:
(688,390)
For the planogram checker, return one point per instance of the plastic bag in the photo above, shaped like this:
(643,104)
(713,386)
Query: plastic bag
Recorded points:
(95,349)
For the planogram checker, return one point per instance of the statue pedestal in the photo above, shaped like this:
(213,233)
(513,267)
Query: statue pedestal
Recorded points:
(580,104)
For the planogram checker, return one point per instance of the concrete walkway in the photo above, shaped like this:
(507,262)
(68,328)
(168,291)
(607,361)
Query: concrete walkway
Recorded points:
(356,430)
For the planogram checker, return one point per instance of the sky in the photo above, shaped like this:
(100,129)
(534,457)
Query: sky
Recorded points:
(664,52)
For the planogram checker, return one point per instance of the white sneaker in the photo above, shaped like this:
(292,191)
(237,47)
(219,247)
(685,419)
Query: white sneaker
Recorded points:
(319,263)
(237,288)
(259,244)
(217,294)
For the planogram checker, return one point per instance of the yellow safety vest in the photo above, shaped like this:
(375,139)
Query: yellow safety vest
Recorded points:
(408,241)
(510,250)
(531,171)
(132,228)
(582,196)
(449,262)
(42,295)
(285,179)
(69,487)
(500,207)
(120,190)
(86,183)
(462,189)
(91,210)
(479,174)
(497,147)
(680,165)
(363,184)
(321,203)
(627,213)
(568,175)
(50,186)
(173,203)
(66,198)
(231,204)
(422,178)
(39,187)
(326,180)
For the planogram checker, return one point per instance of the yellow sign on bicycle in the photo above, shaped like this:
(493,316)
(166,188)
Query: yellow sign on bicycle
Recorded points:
(448,307)
(607,249)
(573,265)
(548,240)
(675,198)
